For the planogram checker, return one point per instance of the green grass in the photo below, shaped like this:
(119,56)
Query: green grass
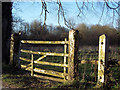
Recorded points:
(17,78)
(22,79)
(87,72)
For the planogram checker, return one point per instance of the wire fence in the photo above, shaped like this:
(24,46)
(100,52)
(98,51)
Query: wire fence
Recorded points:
(88,71)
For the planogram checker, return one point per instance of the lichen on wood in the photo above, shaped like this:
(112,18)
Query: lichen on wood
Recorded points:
(73,58)
(103,58)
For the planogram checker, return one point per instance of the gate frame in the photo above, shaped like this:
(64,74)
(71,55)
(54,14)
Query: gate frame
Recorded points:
(73,46)
(72,55)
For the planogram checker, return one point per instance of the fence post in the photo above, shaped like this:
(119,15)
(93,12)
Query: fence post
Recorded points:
(20,33)
(73,55)
(103,59)
(65,51)
(14,51)
(11,49)
(32,63)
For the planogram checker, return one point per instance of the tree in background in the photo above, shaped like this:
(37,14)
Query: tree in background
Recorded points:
(90,35)
(36,30)
(7,19)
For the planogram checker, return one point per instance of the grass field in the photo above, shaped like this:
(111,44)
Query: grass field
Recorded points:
(16,78)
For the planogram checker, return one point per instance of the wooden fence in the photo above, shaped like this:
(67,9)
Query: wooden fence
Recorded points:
(72,65)
(72,56)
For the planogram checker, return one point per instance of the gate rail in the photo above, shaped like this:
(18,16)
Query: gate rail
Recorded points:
(45,54)
(71,55)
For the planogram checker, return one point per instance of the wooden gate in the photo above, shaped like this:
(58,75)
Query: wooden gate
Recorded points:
(70,71)
(70,65)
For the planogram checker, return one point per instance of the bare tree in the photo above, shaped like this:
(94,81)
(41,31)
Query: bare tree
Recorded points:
(7,17)
(106,4)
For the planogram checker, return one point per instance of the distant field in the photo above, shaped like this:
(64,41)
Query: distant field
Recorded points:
(85,52)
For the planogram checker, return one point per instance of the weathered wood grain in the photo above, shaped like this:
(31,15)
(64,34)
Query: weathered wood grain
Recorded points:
(32,65)
(90,62)
(24,59)
(103,58)
(49,78)
(40,58)
(73,55)
(25,67)
(44,53)
(50,72)
(11,49)
(44,42)
(65,51)
(50,63)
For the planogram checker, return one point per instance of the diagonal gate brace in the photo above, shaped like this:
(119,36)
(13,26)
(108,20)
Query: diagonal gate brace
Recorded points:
(41,58)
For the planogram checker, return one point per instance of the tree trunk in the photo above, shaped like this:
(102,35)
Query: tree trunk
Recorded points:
(6,30)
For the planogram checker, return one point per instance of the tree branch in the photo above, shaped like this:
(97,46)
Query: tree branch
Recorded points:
(110,6)
(102,13)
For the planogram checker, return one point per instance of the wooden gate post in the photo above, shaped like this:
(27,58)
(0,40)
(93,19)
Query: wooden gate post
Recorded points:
(32,65)
(11,49)
(20,34)
(65,51)
(73,55)
(103,59)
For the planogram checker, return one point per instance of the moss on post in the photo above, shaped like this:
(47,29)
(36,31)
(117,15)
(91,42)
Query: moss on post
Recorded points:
(11,49)
(17,39)
(65,51)
(73,55)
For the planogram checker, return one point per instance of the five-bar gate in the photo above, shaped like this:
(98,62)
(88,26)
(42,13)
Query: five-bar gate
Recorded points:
(71,74)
